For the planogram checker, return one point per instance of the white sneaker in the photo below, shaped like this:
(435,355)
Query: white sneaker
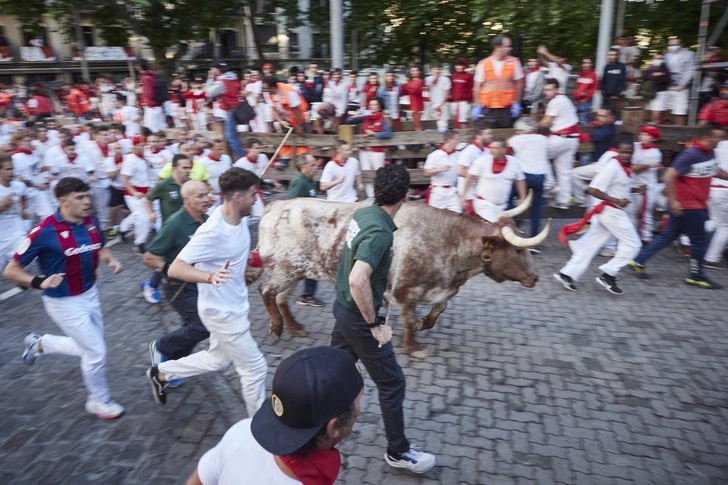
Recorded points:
(104,410)
(31,352)
(414,460)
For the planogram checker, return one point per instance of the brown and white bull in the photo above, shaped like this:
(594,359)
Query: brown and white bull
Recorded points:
(435,252)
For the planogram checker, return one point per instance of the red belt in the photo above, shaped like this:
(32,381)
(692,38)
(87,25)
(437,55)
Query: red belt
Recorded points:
(719,186)
(443,186)
(143,190)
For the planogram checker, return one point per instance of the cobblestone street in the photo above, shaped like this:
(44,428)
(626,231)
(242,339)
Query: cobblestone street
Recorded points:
(521,386)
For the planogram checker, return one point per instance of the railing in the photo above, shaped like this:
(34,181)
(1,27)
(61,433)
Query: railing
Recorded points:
(230,52)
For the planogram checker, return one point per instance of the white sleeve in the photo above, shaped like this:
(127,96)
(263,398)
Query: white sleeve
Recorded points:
(428,81)
(518,71)
(448,83)
(515,143)
(518,169)
(202,247)
(432,161)
(479,74)
(464,158)
(552,108)
(294,100)
(90,166)
(127,167)
(209,467)
(476,168)
(603,179)
(358,167)
(109,165)
(327,175)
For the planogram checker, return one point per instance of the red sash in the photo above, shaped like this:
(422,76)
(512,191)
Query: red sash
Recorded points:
(575,227)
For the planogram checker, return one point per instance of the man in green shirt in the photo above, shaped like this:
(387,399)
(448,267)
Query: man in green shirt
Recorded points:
(361,281)
(304,186)
(161,252)
(167,192)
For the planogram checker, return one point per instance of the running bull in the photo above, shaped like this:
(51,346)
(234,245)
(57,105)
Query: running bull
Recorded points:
(435,252)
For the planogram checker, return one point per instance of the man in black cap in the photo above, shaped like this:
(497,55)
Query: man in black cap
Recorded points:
(291,439)
(360,284)
(223,84)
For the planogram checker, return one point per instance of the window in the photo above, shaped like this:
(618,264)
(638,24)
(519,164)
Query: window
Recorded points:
(88,35)
(293,45)
(320,48)
(268,38)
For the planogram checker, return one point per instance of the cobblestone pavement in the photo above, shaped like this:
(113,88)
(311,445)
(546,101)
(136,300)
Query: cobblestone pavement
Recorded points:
(521,386)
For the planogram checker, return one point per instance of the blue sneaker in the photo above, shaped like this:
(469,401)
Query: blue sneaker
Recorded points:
(150,294)
(157,358)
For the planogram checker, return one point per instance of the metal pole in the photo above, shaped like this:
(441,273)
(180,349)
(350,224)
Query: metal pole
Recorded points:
(620,18)
(697,74)
(603,44)
(718,28)
(337,34)
(81,47)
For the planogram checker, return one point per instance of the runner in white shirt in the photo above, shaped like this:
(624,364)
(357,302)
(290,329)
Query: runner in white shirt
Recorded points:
(718,209)
(562,120)
(497,173)
(118,135)
(127,115)
(442,168)
(28,169)
(157,155)
(136,174)
(255,161)
(12,212)
(216,162)
(112,167)
(439,85)
(72,163)
(613,186)
(97,151)
(476,149)
(215,259)
(42,142)
(339,178)
(646,162)
(253,92)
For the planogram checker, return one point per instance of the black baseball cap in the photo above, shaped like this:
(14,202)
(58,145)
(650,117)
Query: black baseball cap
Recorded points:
(310,388)
(220,65)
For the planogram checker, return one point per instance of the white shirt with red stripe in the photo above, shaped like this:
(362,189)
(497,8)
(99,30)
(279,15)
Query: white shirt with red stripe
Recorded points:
(215,168)
(564,113)
(495,188)
(157,160)
(138,171)
(256,166)
(440,158)
(345,191)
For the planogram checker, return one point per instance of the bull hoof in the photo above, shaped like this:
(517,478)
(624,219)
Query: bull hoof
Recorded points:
(419,354)
(418,325)
(298,331)
(276,336)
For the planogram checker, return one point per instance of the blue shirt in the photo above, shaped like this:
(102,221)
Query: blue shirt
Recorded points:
(64,247)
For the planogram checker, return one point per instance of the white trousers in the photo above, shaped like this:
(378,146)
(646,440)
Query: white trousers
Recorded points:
(581,176)
(563,151)
(199,121)
(445,198)
(11,241)
(442,115)
(641,212)
(612,222)
(230,343)
(370,161)
(462,111)
(718,207)
(102,195)
(138,219)
(80,318)
(488,210)
(154,118)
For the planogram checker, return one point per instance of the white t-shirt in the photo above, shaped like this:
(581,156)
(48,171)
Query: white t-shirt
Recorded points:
(129,116)
(80,168)
(215,242)
(641,157)
(93,153)
(561,74)
(345,191)
(138,171)
(496,187)
(498,68)
(11,218)
(156,162)
(440,158)
(438,91)
(341,95)
(563,111)
(111,166)
(25,166)
(532,151)
(721,156)
(255,89)
(215,168)
(238,458)
(255,167)
(41,148)
(613,180)
(466,158)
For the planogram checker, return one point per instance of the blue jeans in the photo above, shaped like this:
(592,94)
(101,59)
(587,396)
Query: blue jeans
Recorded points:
(309,287)
(533,182)
(692,223)
(231,135)
(584,108)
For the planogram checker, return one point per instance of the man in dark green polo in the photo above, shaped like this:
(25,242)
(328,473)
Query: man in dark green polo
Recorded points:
(167,192)
(161,252)
(361,281)
(304,186)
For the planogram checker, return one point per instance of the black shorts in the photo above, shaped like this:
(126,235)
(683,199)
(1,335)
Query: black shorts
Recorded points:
(117,198)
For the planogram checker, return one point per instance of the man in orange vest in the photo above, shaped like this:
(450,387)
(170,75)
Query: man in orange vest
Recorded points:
(498,85)
(288,108)
(223,84)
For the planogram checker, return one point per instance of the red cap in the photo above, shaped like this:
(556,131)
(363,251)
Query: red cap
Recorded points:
(267,65)
(653,131)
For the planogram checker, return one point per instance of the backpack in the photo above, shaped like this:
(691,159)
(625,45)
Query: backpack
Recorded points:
(243,113)
(648,89)
(161,95)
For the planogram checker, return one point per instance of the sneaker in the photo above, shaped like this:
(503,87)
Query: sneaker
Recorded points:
(610,283)
(703,283)
(155,355)
(714,265)
(31,352)
(113,233)
(607,253)
(638,270)
(413,460)
(104,410)
(139,249)
(310,301)
(556,205)
(534,250)
(565,280)
(158,387)
(150,294)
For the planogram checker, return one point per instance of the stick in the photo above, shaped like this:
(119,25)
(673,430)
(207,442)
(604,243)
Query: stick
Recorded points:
(273,158)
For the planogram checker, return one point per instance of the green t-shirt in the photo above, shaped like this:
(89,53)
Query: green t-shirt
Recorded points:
(369,239)
(301,186)
(168,193)
(175,234)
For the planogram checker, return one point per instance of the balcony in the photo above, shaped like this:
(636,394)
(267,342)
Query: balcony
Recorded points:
(231,52)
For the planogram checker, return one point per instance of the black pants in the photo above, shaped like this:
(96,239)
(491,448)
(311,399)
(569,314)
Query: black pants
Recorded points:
(351,334)
(498,117)
(180,343)
(309,287)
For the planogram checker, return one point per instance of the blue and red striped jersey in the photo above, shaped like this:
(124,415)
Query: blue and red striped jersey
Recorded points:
(64,247)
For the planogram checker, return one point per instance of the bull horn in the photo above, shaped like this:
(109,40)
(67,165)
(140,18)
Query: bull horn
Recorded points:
(520,209)
(522,242)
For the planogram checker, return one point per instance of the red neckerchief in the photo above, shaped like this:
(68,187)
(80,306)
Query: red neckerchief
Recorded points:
(72,160)
(336,83)
(647,146)
(448,152)
(209,155)
(627,167)
(22,150)
(534,70)
(478,145)
(77,134)
(372,87)
(254,162)
(389,86)
(499,165)
(700,146)
(320,467)
(375,117)
(157,150)
(119,160)
(104,149)
(337,162)
(199,154)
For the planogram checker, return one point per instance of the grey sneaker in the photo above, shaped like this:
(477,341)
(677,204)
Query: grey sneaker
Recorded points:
(31,352)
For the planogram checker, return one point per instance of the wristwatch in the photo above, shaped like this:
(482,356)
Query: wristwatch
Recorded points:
(380,320)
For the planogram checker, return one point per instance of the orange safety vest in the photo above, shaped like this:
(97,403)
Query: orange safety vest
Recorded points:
(498,91)
(290,115)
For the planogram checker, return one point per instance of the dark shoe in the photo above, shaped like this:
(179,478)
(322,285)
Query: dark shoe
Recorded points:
(310,301)
(714,265)
(703,283)
(159,391)
(139,250)
(565,280)
(610,283)
(638,270)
